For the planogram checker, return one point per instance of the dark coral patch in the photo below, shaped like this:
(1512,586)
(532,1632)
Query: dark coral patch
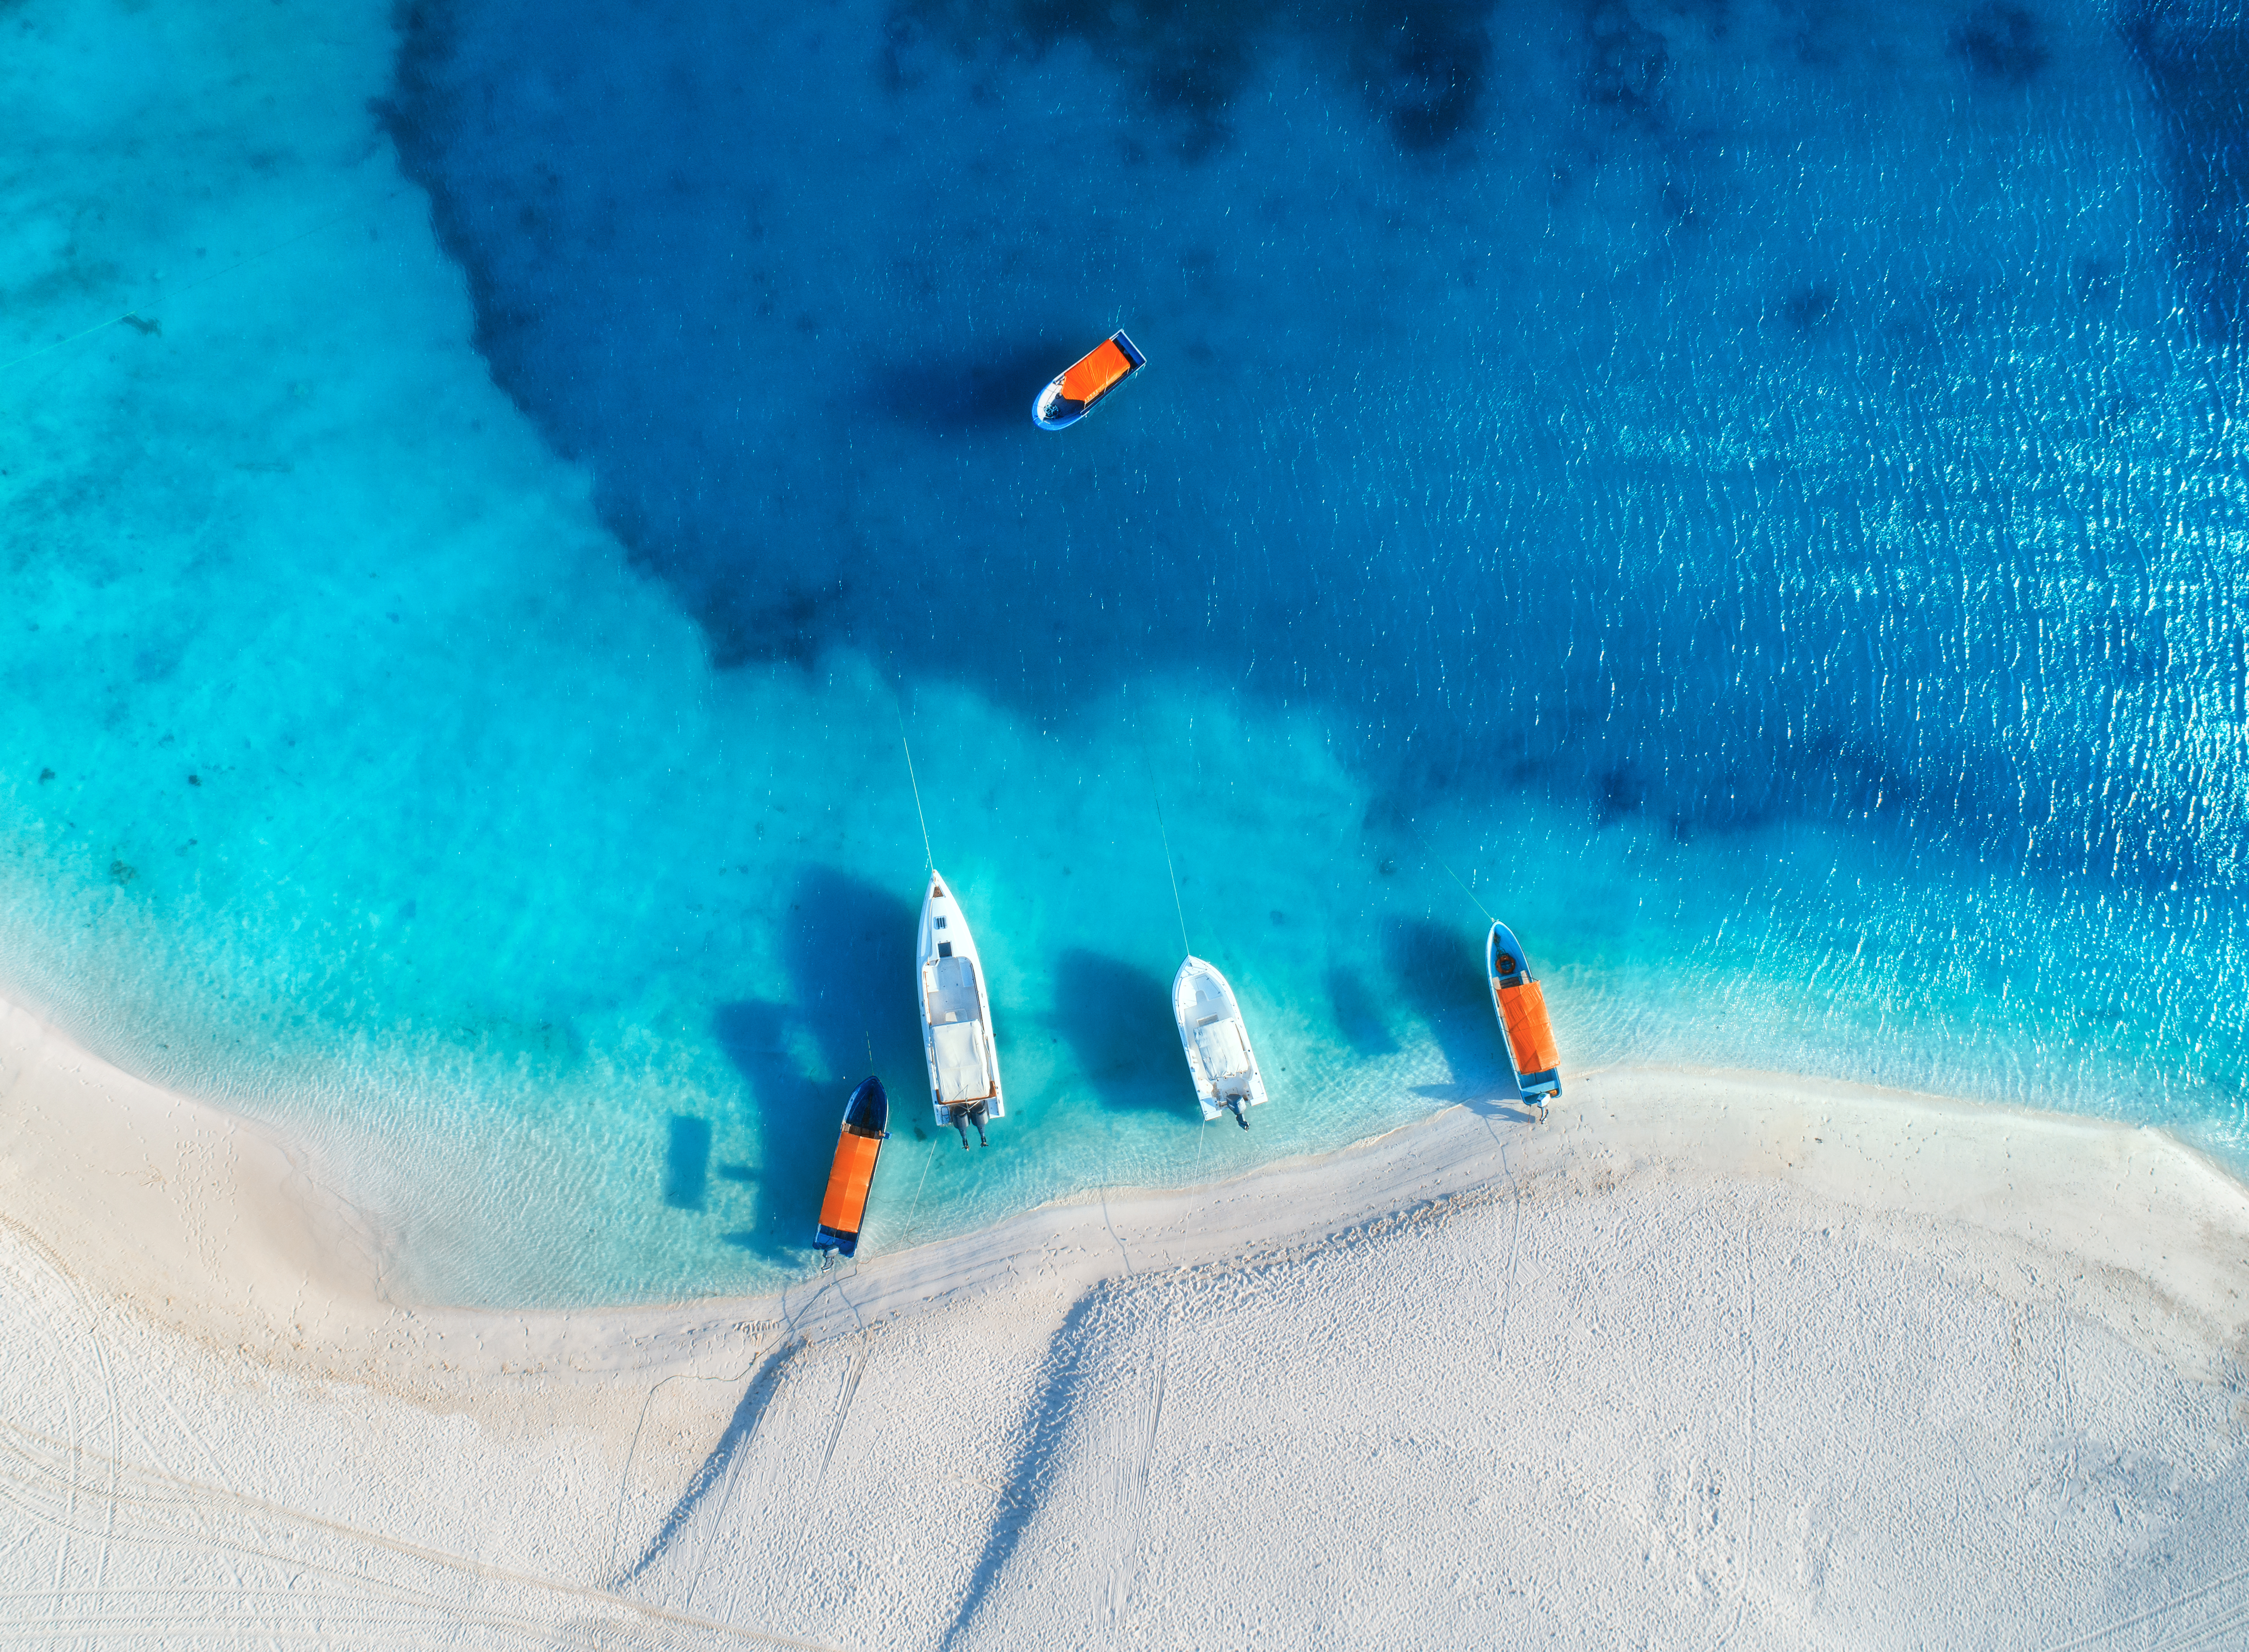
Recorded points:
(2197,58)
(1422,68)
(1629,61)
(2001,42)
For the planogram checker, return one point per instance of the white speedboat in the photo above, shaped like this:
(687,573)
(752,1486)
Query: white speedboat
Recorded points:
(1217,1042)
(956,1018)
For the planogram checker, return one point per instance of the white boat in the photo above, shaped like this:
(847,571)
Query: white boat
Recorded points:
(956,1018)
(1217,1042)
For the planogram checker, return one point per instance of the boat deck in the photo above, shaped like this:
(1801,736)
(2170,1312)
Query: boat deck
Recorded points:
(948,987)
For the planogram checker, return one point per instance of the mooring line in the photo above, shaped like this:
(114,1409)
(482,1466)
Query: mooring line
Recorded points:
(899,711)
(1164,836)
(927,1159)
(929,856)
(1156,802)
(1449,872)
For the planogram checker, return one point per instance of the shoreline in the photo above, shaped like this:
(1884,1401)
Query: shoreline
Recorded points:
(223,1228)
(1728,1343)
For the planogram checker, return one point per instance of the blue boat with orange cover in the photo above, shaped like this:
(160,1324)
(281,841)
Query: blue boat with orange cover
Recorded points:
(1521,1002)
(1075,391)
(843,1211)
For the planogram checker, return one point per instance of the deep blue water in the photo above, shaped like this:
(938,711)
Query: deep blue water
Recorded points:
(1627,410)
(1756,490)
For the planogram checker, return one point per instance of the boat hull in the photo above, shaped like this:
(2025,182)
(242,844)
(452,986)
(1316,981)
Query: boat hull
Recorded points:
(851,1176)
(1524,1028)
(956,1017)
(1222,1060)
(1086,382)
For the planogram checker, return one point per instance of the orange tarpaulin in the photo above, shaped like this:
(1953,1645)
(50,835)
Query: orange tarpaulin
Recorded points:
(847,1183)
(1096,372)
(1529,1036)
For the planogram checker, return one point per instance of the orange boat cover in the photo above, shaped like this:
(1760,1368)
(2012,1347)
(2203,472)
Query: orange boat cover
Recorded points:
(847,1183)
(1095,372)
(1530,1038)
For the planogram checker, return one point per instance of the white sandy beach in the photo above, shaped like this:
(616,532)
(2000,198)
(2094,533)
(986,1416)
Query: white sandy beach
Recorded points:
(1705,1360)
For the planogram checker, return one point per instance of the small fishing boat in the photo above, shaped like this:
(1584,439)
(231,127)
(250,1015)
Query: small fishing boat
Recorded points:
(1093,375)
(1521,1002)
(866,1123)
(956,1019)
(1220,1059)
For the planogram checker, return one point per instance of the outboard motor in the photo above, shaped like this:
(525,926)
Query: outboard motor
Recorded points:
(1240,1113)
(963,1115)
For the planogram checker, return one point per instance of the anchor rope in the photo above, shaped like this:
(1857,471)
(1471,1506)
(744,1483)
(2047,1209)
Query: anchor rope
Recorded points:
(1449,872)
(927,1159)
(929,858)
(1178,906)
(1156,802)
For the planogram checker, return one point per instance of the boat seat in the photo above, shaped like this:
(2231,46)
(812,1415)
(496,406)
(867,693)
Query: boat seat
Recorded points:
(1224,1055)
(962,1074)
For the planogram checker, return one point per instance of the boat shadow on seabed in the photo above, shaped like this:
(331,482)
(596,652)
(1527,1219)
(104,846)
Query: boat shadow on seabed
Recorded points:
(1439,975)
(1118,1020)
(847,939)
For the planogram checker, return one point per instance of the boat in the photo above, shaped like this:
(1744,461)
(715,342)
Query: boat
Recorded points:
(1529,1036)
(866,1123)
(956,1019)
(1219,1058)
(1076,391)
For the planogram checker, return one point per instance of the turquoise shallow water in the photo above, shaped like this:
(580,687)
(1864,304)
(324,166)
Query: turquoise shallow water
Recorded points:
(1762,504)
